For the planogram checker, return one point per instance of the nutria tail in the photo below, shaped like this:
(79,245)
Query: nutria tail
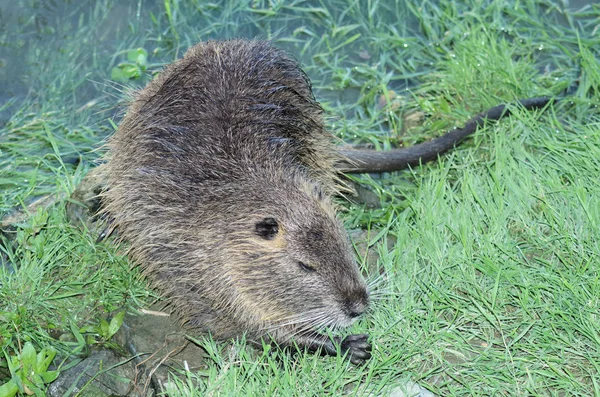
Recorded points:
(361,161)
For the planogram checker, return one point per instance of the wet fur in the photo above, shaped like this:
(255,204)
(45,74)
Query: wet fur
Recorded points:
(220,179)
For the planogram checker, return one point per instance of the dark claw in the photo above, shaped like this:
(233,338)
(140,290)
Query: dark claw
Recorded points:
(103,235)
(357,347)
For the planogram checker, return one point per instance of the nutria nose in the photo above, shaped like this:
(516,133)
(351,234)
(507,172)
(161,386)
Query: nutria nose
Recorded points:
(355,309)
(355,314)
(357,305)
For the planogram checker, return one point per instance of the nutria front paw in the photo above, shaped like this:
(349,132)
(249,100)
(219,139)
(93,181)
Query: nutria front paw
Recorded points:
(358,348)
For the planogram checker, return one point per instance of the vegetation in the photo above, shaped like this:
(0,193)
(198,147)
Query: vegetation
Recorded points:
(490,256)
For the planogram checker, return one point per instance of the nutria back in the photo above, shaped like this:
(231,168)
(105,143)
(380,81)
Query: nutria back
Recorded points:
(227,105)
(219,179)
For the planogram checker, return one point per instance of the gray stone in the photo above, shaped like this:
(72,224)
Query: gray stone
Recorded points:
(410,389)
(366,248)
(159,344)
(103,373)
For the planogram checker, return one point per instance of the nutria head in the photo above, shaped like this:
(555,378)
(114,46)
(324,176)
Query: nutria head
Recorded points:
(290,260)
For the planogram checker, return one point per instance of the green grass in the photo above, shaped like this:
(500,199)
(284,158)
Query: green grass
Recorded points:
(491,285)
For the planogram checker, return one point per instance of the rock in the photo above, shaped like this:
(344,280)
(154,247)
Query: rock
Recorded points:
(366,248)
(159,343)
(364,196)
(103,373)
(410,389)
(155,344)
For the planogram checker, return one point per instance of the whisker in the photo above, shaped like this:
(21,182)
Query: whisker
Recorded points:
(295,324)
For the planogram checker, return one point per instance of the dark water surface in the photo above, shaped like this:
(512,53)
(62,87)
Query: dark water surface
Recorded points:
(31,32)
(34,35)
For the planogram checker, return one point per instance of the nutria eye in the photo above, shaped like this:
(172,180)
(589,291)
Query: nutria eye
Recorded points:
(267,228)
(306,268)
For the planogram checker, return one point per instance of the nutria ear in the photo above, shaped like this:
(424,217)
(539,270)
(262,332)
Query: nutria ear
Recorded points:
(267,228)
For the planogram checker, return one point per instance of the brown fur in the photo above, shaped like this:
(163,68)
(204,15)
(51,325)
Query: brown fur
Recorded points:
(220,179)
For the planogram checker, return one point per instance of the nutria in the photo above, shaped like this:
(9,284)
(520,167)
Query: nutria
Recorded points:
(220,178)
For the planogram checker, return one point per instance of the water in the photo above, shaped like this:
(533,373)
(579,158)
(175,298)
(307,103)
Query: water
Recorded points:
(48,24)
